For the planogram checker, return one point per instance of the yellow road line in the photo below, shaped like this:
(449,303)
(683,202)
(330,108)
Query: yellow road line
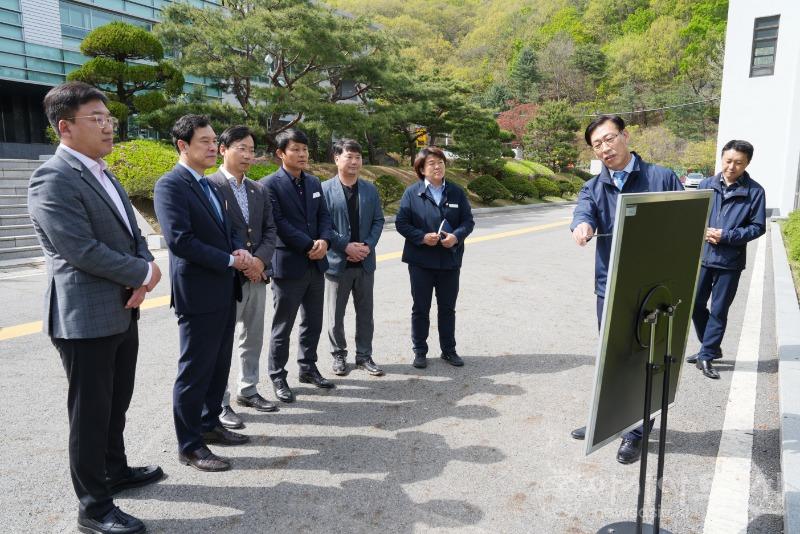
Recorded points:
(26,329)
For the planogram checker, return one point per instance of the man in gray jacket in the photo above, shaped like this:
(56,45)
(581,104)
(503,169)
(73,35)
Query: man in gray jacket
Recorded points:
(355,209)
(251,213)
(98,272)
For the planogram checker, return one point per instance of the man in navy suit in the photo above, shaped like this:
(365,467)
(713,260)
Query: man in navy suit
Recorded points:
(203,253)
(298,264)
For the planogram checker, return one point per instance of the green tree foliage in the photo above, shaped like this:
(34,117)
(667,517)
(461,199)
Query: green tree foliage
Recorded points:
(551,136)
(477,142)
(279,59)
(221,116)
(128,62)
(524,76)
(390,189)
(488,189)
(520,188)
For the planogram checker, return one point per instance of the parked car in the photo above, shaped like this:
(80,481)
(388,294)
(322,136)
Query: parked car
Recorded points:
(692,180)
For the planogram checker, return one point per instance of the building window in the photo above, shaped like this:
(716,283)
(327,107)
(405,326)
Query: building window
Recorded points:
(765,41)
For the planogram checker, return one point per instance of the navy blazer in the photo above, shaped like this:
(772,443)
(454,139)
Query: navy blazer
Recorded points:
(597,205)
(742,216)
(199,245)
(419,215)
(370,218)
(298,226)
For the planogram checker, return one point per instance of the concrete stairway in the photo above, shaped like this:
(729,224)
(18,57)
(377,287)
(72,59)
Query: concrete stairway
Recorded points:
(17,238)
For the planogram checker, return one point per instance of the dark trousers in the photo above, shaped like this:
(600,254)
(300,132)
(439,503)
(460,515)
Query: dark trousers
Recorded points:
(100,372)
(306,294)
(423,283)
(710,322)
(206,343)
(637,432)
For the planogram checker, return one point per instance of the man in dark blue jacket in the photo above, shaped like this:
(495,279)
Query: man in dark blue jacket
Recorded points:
(623,172)
(738,215)
(298,264)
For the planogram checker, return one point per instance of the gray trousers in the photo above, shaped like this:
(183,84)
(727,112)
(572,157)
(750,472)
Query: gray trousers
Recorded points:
(250,338)
(337,292)
(306,294)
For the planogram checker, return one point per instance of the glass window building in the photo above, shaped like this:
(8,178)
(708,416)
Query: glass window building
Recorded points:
(39,46)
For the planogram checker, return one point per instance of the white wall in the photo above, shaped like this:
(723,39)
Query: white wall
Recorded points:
(41,22)
(764,110)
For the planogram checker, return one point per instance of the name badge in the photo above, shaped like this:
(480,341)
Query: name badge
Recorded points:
(315,195)
(452,205)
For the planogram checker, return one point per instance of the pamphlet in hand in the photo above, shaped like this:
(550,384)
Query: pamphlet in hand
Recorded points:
(444,228)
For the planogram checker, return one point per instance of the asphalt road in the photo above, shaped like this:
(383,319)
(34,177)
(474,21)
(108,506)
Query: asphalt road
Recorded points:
(483,448)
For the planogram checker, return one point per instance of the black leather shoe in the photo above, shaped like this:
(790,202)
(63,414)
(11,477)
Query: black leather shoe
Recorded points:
(453,359)
(114,522)
(707,368)
(204,460)
(258,402)
(134,477)
(230,419)
(313,377)
(282,391)
(578,433)
(629,451)
(420,361)
(369,366)
(223,436)
(339,365)
(692,358)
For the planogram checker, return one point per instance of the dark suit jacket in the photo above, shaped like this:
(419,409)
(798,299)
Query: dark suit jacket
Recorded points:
(199,245)
(419,215)
(259,234)
(370,218)
(298,226)
(92,259)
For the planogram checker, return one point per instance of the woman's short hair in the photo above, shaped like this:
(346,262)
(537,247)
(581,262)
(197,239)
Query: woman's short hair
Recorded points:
(422,155)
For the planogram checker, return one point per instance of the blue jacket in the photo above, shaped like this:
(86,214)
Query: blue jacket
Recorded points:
(419,215)
(370,218)
(597,205)
(199,245)
(298,226)
(742,216)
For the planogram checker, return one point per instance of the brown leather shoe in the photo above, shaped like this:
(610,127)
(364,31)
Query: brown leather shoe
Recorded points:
(223,436)
(204,460)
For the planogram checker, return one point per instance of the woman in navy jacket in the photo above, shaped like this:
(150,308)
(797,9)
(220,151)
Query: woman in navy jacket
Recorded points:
(435,217)
(738,215)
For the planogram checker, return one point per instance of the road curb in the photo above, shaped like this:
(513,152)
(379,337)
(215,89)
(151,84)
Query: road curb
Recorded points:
(787,337)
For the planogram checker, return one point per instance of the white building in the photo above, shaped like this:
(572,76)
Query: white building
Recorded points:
(761,94)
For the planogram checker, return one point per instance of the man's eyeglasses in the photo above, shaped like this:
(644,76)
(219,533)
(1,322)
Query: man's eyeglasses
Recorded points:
(101,120)
(607,140)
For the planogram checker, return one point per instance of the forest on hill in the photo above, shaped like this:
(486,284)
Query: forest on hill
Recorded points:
(658,62)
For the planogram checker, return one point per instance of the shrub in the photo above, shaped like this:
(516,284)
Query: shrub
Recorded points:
(260,170)
(791,230)
(566,188)
(580,173)
(138,164)
(488,189)
(546,187)
(390,189)
(520,188)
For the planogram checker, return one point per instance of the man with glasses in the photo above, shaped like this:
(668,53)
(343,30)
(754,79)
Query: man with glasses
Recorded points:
(98,272)
(204,254)
(623,171)
(251,212)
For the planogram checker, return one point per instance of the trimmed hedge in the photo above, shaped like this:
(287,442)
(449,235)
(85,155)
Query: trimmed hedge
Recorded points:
(488,189)
(139,163)
(523,167)
(547,187)
(520,188)
(390,189)
(791,231)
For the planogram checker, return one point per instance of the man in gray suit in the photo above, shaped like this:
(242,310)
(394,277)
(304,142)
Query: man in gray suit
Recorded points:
(251,213)
(357,218)
(98,272)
